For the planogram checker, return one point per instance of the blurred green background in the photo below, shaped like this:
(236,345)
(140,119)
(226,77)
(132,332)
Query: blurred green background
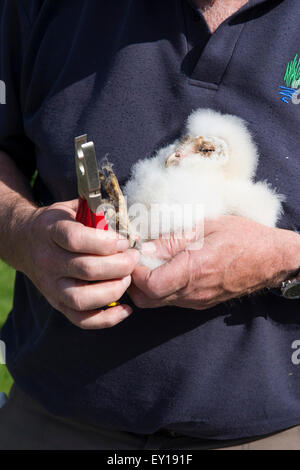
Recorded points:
(7,276)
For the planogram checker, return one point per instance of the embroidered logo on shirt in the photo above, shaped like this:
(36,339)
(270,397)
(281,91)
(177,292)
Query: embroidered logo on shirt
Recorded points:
(291,92)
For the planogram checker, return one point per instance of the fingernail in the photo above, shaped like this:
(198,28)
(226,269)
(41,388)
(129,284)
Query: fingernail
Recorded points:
(148,248)
(122,245)
(126,310)
(126,281)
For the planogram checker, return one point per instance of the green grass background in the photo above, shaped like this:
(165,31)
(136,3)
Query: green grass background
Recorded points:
(7,276)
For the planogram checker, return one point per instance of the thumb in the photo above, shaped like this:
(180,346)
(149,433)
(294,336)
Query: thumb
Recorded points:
(167,247)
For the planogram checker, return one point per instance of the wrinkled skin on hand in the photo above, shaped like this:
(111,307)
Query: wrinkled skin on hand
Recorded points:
(78,269)
(238,257)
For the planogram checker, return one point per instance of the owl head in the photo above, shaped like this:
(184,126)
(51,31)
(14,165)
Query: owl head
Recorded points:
(218,140)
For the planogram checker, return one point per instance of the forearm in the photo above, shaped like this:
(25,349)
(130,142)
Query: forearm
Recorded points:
(16,209)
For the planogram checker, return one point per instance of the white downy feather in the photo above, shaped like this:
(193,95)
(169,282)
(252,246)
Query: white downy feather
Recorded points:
(222,184)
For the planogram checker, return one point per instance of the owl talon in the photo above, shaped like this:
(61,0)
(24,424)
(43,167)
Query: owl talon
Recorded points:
(116,214)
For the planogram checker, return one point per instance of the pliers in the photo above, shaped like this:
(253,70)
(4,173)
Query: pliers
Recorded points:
(93,210)
(90,213)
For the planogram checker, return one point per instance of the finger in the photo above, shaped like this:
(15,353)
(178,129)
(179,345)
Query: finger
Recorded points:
(141,300)
(96,268)
(73,204)
(68,209)
(164,280)
(82,297)
(76,238)
(169,246)
(99,319)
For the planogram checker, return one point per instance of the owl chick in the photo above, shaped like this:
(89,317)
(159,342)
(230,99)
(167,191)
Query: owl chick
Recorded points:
(211,167)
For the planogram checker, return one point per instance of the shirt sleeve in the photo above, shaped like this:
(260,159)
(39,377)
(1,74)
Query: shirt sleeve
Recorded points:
(14,34)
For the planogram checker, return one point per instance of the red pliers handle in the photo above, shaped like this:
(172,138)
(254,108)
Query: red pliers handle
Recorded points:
(89,211)
(89,218)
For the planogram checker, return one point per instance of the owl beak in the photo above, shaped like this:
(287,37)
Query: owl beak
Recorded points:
(173,159)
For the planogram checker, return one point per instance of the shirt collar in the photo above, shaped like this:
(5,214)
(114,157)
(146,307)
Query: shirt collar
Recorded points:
(251,3)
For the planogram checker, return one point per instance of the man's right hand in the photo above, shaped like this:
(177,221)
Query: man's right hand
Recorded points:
(78,269)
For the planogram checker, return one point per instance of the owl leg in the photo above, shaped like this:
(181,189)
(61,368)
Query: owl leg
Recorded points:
(117,213)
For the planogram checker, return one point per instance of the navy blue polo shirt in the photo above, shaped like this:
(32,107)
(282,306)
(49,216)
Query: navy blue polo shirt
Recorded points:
(128,73)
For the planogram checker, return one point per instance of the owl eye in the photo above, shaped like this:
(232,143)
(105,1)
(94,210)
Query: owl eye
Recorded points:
(202,150)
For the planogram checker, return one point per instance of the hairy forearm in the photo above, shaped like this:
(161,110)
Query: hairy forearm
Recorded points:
(16,209)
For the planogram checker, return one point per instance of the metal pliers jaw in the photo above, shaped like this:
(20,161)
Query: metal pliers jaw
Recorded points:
(94,210)
(88,180)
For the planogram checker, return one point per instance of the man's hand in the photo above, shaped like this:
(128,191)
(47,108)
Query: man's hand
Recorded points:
(78,269)
(238,257)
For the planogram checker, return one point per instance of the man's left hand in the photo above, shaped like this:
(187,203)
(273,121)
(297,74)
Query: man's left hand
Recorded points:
(238,257)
